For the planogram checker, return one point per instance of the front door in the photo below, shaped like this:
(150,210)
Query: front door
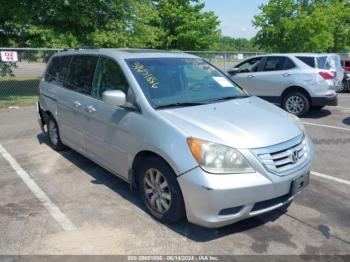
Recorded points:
(248,74)
(107,127)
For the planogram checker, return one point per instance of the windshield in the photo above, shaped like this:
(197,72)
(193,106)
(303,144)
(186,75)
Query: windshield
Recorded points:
(182,81)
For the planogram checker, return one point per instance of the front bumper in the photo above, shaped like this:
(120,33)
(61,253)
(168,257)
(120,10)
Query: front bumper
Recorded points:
(325,101)
(218,200)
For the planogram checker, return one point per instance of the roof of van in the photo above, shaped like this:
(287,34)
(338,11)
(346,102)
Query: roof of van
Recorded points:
(127,53)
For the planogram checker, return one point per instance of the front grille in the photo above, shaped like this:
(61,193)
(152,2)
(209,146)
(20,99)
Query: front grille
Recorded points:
(284,157)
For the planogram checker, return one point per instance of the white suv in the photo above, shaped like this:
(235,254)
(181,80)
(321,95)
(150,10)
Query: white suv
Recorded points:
(294,81)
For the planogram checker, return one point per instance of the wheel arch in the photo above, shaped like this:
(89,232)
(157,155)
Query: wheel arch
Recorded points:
(139,157)
(296,89)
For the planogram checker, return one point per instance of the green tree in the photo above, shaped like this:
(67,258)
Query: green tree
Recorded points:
(185,25)
(169,24)
(69,23)
(303,26)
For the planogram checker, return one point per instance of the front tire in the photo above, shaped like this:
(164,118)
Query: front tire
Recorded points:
(296,103)
(54,135)
(160,190)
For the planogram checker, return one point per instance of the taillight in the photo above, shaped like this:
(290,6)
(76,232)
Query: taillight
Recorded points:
(326,76)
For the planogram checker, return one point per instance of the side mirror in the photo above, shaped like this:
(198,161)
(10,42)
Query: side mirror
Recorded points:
(233,71)
(114,98)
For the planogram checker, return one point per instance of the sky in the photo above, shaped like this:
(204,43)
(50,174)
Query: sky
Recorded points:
(235,15)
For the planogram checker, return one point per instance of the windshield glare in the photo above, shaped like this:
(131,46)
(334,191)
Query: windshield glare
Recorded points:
(168,81)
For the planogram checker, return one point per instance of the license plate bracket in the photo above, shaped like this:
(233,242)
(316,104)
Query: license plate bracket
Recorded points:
(299,183)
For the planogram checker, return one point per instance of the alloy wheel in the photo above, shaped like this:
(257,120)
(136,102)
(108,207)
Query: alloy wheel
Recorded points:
(157,191)
(295,104)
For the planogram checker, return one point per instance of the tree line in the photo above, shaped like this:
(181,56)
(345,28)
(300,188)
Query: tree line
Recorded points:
(283,25)
(303,26)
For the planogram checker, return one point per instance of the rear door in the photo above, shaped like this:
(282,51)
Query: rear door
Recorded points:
(248,72)
(77,84)
(277,74)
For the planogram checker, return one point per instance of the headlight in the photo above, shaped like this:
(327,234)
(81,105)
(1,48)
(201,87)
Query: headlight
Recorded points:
(348,75)
(218,159)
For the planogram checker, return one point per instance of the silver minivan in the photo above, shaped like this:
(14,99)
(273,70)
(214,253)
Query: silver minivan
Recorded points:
(297,82)
(192,142)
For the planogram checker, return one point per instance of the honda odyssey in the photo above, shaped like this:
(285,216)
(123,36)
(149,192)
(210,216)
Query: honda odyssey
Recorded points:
(191,141)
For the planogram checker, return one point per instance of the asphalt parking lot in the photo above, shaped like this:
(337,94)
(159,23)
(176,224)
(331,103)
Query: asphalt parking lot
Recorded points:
(86,210)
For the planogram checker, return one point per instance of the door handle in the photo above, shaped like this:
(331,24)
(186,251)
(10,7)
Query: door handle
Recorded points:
(287,74)
(251,76)
(90,109)
(77,104)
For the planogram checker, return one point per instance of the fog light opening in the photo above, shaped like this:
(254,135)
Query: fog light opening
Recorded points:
(230,211)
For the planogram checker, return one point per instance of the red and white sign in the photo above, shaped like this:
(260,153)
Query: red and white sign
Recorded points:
(9,56)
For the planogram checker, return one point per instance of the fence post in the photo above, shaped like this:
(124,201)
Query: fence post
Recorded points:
(225,62)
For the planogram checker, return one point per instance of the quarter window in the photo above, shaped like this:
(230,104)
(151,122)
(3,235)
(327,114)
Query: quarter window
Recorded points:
(81,73)
(309,60)
(109,76)
(58,69)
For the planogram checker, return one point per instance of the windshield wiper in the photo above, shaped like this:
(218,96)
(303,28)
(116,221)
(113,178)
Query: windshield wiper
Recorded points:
(184,104)
(226,98)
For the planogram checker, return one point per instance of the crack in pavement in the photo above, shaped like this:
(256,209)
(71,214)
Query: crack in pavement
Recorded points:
(319,228)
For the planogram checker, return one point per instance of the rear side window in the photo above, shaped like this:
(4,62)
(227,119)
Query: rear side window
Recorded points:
(81,73)
(309,60)
(347,63)
(274,63)
(288,64)
(58,69)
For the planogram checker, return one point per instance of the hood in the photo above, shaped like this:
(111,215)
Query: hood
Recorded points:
(242,123)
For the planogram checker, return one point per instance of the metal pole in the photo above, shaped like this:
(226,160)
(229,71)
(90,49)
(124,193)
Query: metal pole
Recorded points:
(225,62)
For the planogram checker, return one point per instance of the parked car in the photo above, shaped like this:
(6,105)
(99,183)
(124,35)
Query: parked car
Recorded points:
(296,82)
(346,81)
(345,62)
(181,132)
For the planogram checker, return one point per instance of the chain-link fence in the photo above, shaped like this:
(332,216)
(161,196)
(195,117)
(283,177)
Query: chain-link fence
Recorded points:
(19,81)
(223,60)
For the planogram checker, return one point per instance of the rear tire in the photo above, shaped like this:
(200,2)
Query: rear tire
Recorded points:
(54,135)
(347,86)
(160,190)
(343,87)
(296,103)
